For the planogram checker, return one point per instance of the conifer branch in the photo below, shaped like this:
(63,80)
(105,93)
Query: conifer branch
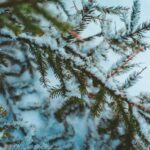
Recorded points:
(121,67)
(112,10)
(131,80)
(135,15)
(95,94)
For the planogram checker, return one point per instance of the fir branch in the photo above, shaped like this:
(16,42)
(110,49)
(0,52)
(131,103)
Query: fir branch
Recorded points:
(42,65)
(55,92)
(144,98)
(139,106)
(99,102)
(111,10)
(135,15)
(112,92)
(140,30)
(7,23)
(82,72)
(74,53)
(121,67)
(124,19)
(131,80)
(146,117)
(62,5)
(28,24)
(72,105)
(63,26)
(3,112)
(91,75)
(89,38)
(9,104)
(19,2)
(75,33)
(80,77)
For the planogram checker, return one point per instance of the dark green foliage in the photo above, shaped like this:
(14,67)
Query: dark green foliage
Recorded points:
(3,112)
(23,11)
(55,91)
(99,102)
(60,25)
(69,63)
(72,105)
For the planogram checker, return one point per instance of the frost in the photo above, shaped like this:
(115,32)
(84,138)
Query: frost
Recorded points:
(32,105)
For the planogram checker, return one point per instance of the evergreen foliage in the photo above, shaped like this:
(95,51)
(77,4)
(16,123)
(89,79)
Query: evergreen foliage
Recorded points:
(111,116)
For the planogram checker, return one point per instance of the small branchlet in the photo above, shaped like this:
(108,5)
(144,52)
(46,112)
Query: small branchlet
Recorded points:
(131,80)
(121,67)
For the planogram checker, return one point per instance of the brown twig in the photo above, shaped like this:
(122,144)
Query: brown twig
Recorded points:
(129,58)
